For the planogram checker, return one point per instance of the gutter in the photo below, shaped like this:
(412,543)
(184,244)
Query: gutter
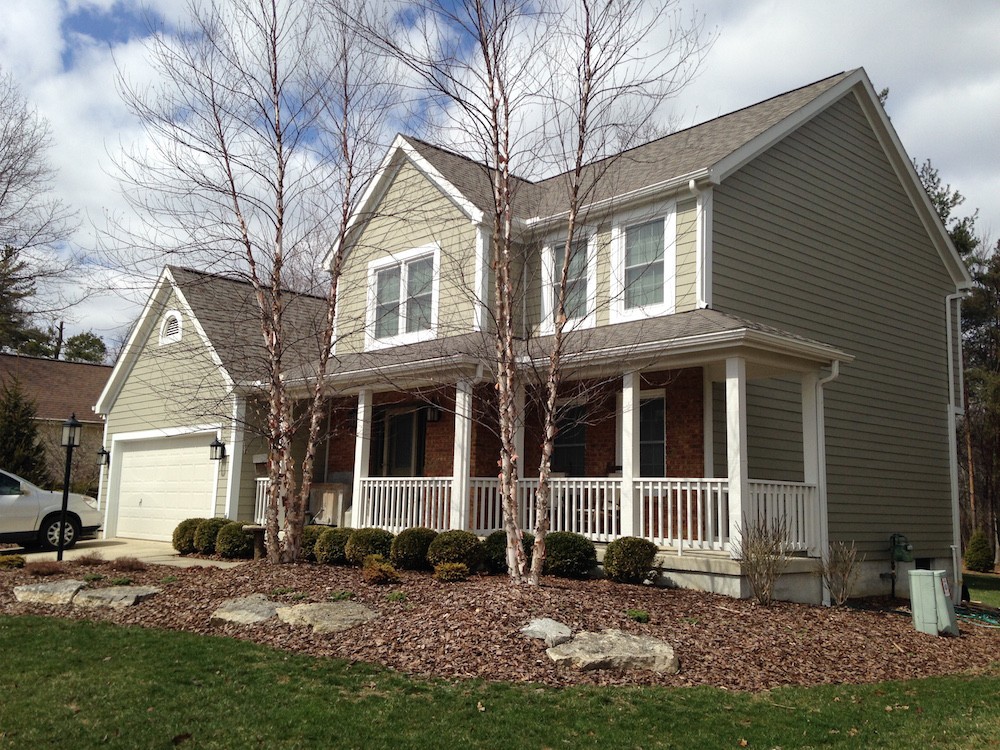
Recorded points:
(953,414)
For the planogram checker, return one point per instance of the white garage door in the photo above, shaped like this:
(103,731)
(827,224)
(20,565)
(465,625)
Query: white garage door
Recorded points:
(162,482)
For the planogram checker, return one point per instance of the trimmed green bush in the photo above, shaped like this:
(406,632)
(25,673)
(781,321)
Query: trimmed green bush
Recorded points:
(456,546)
(310,535)
(206,533)
(378,571)
(365,542)
(9,562)
(978,555)
(569,555)
(233,542)
(495,550)
(183,539)
(329,548)
(409,548)
(451,572)
(629,559)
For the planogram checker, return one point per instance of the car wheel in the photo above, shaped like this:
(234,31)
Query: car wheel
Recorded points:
(48,534)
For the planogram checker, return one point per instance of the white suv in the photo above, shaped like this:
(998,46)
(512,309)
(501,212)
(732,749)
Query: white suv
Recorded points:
(29,515)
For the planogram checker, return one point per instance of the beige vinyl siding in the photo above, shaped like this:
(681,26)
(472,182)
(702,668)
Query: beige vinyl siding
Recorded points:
(817,236)
(175,385)
(686,289)
(412,213)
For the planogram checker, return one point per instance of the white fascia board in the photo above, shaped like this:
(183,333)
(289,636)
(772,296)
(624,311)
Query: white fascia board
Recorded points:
(376,188)
(130,354)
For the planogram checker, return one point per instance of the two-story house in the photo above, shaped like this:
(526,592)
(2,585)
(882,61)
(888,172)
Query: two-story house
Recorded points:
(763,315)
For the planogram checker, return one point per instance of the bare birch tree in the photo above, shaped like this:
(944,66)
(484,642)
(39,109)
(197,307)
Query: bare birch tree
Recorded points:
(263,128)
(518,87)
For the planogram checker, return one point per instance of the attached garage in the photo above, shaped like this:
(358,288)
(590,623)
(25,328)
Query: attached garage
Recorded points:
(162,482)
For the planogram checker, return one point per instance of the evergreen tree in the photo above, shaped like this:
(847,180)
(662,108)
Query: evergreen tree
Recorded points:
(21,452)
(85,347)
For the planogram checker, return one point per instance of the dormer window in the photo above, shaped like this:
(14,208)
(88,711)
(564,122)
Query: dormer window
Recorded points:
(170,330)
(402,298)
(643,263)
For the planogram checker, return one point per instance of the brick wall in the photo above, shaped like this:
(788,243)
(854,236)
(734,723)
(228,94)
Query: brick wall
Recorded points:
(685,424)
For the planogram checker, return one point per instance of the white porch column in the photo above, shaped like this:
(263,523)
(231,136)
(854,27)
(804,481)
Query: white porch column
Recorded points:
(810,454)
(736,444)
(519,429)
(362,454)
(631,518)
(708,423)
(462,465)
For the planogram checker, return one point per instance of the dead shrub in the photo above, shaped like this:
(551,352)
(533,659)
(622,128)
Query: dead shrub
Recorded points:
(840,570)
(44,568)
(378,571)
(90,560)
(128,564)
(763,549)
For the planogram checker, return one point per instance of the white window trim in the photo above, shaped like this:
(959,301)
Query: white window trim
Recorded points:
(171,338)
(667,211)
(646,394)
(547,325)
(399,259)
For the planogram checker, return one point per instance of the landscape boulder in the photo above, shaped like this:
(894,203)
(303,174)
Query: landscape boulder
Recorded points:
(54,592)
(246,610)
(115,596)
(333,617)
(551,631)
(615,649)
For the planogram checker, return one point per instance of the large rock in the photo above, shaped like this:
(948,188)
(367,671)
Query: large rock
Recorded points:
(247,610)
(615,649)
(55,592)
(327,618)
(115,596)
(551,631)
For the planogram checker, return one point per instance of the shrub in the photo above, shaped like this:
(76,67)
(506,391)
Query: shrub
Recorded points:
(44,568)
(378,571)
(495,550)
(93,577)
(329,548)
(456,546)
(569,555)
(637,615)
(89,560)
(234,542)
(978,554)
(763,548)
(120,581)
(451,572)
(184,535)
(366,542)
(629,559)
(206,533)
(840,570)
(310,535)
(9,562)
(128,564)
(409,548)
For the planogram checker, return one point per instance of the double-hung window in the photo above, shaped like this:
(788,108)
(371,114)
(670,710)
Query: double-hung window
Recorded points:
(579,296)
(643,257)
(402,298)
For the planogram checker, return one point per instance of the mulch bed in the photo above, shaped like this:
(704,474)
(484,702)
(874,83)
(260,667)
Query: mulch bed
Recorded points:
(471,629)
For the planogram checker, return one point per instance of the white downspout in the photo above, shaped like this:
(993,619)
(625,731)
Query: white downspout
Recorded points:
(824,517)
(953,414)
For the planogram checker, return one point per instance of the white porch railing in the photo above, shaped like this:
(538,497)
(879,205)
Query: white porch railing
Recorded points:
(260,501)
(684,513)
(395,504)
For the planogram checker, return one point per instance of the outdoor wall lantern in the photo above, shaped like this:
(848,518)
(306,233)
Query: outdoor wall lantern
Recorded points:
(433,413)
(70,440)
(103,457)
(217,450)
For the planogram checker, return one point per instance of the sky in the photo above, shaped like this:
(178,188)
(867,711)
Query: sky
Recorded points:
(939,60)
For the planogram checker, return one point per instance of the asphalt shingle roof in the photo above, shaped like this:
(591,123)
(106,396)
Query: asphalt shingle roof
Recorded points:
(58,388)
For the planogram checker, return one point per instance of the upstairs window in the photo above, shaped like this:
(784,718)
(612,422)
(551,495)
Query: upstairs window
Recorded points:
(170,329)
(581,284)
(403,292)
(643,260)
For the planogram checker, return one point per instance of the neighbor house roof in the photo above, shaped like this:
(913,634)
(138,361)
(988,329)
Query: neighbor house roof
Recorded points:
(58,388)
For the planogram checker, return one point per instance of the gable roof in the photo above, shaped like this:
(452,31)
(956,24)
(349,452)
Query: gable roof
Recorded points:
(58,388)
(226,317)
(703,154)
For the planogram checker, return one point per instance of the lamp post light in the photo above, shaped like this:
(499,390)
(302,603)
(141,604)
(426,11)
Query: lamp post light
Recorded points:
(71,440)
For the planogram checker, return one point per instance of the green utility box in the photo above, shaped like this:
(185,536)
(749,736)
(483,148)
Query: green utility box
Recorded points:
(930,603)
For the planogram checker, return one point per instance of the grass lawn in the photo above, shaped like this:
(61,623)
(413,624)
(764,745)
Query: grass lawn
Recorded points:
(983,587)
(78,684)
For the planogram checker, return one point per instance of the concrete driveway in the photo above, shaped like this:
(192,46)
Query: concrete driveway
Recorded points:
(154,553)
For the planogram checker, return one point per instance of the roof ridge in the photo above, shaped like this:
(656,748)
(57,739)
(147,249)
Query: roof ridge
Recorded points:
(51,360)
(222,277)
